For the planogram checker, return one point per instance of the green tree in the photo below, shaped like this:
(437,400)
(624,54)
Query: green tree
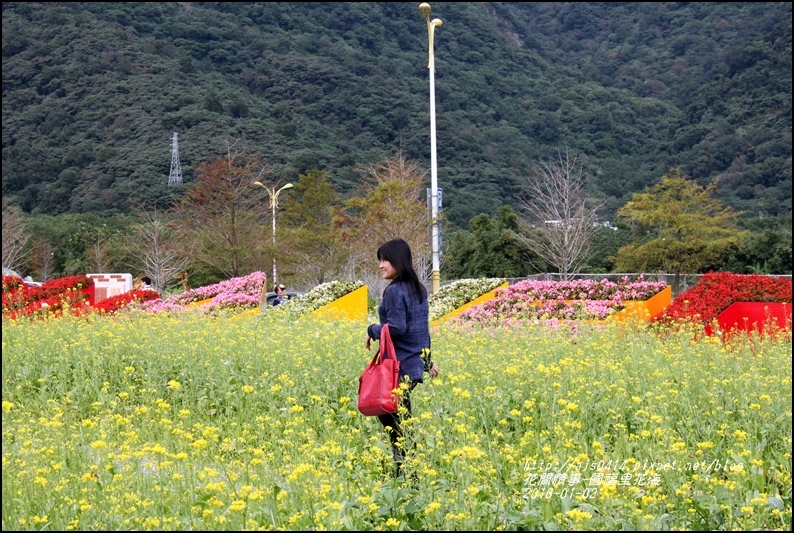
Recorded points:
(764,252)
(491,249)
(77,243)
(687,229)
(310,250)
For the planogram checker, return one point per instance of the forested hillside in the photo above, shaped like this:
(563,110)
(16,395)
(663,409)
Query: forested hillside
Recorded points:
(93,91)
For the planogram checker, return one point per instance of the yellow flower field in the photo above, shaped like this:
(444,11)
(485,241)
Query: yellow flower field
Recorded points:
(188,422)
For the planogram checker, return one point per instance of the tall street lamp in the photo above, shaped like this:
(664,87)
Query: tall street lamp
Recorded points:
(424,9)
(273,193)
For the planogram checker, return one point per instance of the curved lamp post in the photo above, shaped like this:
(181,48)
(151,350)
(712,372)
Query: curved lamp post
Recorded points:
(424,9)
(273,193)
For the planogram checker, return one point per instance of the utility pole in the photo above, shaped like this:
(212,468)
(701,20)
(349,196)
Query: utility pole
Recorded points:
(424,9)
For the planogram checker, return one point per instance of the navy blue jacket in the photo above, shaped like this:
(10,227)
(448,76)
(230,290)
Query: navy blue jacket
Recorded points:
(409,326)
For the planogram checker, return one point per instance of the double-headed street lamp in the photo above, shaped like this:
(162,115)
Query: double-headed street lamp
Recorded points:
(424,9)
(273,193)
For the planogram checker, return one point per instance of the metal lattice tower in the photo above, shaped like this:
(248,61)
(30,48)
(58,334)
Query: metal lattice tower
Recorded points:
(175,177)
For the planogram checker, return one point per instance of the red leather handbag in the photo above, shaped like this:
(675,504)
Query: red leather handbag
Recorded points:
(379,379)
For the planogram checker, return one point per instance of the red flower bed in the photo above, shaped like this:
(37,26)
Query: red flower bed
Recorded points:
(21,300)
(715,291)
(114,303)
(76,301)
(11,282)
(56,295)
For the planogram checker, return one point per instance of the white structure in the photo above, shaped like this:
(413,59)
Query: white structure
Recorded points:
(107,285)
(175,177)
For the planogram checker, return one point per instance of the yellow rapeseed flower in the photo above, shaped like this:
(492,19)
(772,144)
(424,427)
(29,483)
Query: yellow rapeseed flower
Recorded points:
(578,515)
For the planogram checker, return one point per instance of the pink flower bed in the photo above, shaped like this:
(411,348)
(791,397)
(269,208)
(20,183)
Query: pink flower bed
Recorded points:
(242,292)
(560,300)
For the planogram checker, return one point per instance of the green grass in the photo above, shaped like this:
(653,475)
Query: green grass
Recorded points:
(184,422)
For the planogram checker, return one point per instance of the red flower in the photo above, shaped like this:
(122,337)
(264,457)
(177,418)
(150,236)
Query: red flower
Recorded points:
(114,303)
(715,291)
(11,282)
(51,297)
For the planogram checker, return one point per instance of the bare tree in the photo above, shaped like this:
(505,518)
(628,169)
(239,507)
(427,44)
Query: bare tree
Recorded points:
(154,246)
(219,215)
(43,260)
(98,251)
(392,205)
(15,237)
(561,222)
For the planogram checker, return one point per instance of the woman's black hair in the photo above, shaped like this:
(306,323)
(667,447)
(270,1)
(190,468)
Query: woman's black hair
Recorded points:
(398,253)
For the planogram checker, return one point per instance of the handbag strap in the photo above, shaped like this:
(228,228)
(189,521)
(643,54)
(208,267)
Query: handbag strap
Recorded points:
(386,346)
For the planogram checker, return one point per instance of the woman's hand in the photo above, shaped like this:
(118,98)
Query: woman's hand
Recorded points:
(368,339)
(433,370)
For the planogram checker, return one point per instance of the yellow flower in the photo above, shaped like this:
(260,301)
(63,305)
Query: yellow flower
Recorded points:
(577,515)
(173,384)
(199,444)
(7,406)
(433,506)
(472,491)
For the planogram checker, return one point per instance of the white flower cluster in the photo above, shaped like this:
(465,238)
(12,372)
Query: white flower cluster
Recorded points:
(319,296)
(458,293)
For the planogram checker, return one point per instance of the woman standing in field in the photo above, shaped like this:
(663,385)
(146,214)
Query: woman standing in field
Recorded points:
(404,307)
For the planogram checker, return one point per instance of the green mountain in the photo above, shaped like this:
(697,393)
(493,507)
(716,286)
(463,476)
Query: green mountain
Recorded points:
(93,91)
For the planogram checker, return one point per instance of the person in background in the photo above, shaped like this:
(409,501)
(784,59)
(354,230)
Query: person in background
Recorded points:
(146,284)
(281,295)
(405,308)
